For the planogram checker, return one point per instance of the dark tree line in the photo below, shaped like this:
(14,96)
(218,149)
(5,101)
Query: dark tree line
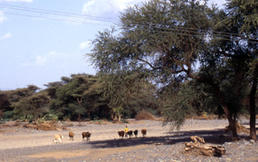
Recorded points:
(81,97)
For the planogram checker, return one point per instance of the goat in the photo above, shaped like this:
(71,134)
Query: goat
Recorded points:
(71,135)
(58,138)
(121,133)
(130,133)
(144,132)
(86,135)
(135,132)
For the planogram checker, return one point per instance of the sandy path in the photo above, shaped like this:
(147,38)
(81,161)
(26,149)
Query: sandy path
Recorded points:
(161,144)
(20,137)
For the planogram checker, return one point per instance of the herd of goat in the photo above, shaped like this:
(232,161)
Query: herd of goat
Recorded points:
(86,135)
(130,133)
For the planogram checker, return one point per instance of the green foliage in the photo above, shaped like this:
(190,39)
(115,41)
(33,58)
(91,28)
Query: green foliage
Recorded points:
(153,39)
(32,107)
(128,92)
(4,103)
(8,115)
(50,116)
(67,99)
(226,65)
(190,99)
(165,39)
(8,99)
(80,97)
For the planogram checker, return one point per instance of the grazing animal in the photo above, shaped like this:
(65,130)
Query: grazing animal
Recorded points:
(130,133)
(71,135)
(135,132)
(58,138)
(144,132)
(86,135)
(121,133)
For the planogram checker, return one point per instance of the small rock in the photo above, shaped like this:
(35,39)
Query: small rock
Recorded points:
(227,143)
(246,142)
(252,141)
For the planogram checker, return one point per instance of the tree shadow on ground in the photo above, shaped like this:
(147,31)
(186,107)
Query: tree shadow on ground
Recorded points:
(210,136)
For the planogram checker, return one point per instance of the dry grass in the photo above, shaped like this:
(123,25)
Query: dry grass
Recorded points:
(46,126)
(100,122)
(240,129)
(144,115)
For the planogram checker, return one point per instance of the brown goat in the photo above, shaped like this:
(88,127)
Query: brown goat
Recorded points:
(71,135)
(144,132)
(86,135)
(121,133)
(135,132)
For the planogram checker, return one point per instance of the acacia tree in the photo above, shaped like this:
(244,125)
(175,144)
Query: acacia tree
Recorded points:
(254,80)
(67,96)
(127,93)
(230,63)
(160,38)
(243,18)
(32,107)
(9,98)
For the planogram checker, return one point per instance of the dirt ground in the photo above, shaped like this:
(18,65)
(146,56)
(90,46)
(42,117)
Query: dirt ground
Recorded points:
(160,144)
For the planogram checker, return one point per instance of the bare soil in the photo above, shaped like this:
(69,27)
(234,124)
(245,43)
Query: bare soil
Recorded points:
(160,144)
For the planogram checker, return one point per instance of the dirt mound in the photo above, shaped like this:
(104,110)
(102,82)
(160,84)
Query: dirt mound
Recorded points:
(46,125)
(144,115)
(11,124)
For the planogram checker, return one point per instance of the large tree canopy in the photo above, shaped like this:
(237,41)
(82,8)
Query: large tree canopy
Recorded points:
(166,38)
(161,37)
(228,66)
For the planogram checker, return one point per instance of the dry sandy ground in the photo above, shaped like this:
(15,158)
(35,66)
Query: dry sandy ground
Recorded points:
(16,137)
(20,144)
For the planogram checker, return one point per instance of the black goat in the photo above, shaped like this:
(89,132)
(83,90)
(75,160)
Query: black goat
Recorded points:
(135,132)
(130,133)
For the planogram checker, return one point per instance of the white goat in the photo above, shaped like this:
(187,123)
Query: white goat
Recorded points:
(58,138)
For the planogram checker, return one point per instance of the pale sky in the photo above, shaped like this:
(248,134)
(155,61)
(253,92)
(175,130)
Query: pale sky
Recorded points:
(41,46)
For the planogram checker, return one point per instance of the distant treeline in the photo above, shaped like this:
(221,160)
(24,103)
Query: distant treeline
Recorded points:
(80,97)
(92,97)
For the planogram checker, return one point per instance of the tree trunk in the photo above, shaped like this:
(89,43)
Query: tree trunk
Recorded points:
(119,117)
(252,105)
(233,127)
(232,123)
(79,118)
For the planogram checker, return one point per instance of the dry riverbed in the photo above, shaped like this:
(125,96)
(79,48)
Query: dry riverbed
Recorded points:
(160,144)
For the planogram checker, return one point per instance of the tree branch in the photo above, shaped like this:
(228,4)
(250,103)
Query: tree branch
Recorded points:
(153,67)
